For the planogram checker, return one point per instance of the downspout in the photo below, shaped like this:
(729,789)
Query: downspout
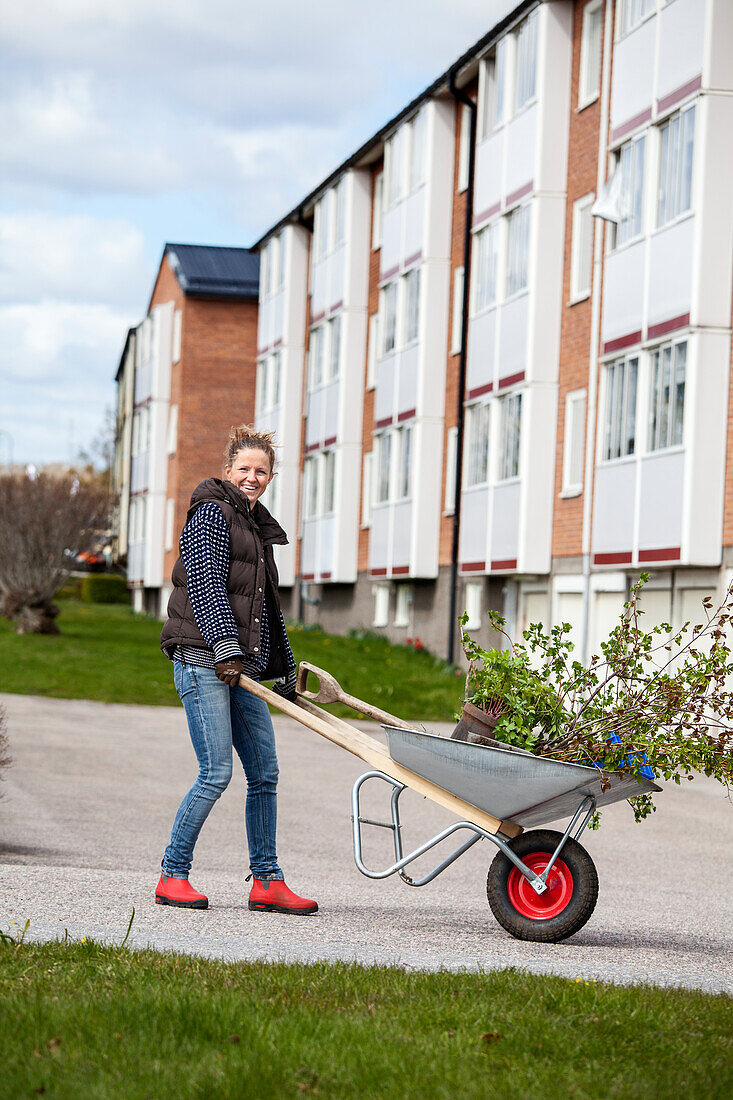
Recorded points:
(461,97)
(595,331)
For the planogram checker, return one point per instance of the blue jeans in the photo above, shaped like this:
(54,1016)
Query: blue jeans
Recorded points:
(219,717)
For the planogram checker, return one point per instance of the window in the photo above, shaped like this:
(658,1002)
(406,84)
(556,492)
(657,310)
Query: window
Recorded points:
(316,356)
(574,443)
(378,204)
(169,514)
(464,147)
(526,63)
(281,261)
(339,199)
(371,376)
(457,319)
(310,488)
(172,440)
(263,273)
(402,605)
(667,400)
(403,488)
(381,605)
(590,53)
(517,250)
(412,298)
(275,371)
(417,150)
(329,480)
(472,594)
(631,13)
(511,422)
(581,261)
(675,166)
(619,437)
(384,445)
(176,344)
(321,228)
(477,432)
(485,244)
(630,164)
(366,490)
(494,77)
(389,315)
(334,326)
(450,471)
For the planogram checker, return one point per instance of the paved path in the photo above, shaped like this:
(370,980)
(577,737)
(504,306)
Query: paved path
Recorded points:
(88,804)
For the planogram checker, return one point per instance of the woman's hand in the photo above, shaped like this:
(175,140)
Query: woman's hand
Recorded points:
(229,671)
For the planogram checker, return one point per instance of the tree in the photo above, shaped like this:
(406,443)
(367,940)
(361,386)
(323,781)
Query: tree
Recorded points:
(44,522)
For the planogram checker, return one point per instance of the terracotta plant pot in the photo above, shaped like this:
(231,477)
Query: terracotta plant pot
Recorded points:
(476,726)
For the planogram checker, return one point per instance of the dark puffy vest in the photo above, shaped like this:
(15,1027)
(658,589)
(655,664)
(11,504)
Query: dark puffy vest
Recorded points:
(251,579)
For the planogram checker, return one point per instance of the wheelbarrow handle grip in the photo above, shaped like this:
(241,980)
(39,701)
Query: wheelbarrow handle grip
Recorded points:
(330,691)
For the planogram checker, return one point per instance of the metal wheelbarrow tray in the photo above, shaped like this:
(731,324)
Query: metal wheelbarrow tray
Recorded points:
(542,885)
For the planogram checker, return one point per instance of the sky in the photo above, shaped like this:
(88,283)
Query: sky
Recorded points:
(126,125)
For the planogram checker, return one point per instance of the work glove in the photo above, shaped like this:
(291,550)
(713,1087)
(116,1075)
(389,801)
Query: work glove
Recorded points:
(229,671)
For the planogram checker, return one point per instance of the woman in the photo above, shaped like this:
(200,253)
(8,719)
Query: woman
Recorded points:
(224,619)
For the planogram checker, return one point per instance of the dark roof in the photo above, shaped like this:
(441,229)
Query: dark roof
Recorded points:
(440,85)
(128,339)
(210,271)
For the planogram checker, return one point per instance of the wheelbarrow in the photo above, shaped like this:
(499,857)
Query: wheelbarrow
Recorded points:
(542,884)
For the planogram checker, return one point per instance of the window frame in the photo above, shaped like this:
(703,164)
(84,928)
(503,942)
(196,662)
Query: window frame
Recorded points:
(486,263)
(411,298)
(576,404)
(378,210)
(493,89)
(580,206)
(625,26)
(628,412)
(681,116)
(635,190)
(587,96)
(457,311)
(510,436)
(520,215)
(464,148)
(478,416)
(389,318)
(529,77)
(674,347)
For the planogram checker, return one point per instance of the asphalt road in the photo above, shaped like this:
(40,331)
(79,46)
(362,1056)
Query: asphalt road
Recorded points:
(86,811)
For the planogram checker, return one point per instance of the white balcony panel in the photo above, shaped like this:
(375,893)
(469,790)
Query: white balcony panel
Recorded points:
(278,310)
(481,349)
(379,540)
(391,239)
(474,522)
(319,289)
(402,533)
(269,421)
(521,146)
(660,503)
(681,41)
(613,523)
(513,336)
(264,326)
(489,161)
(633,74)
(670,271)
(139,473)
(135,560)
(505,522)
(314,421)
(336,288)
(330,410)
(407,379)
(308,546)
(326,543)
(414,224)
(384,399)
(624,291)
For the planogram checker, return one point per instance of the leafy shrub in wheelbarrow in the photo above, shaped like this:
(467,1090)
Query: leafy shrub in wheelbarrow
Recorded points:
(654,703)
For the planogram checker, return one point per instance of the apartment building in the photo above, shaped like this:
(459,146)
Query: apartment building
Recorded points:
(495,343)
(187,374)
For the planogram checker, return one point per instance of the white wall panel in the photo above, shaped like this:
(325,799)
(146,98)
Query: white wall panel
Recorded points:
(314,418)
(489,171)
(614,504)
(326,544)
(681,40)
(521,150)
(670,271)
(337,280)
(308,546)
(623,299)
(319,288)
(391,239)
(660,502)
(481,349)
(329,427)
(414,215)
(474,525)
(407,379)
(379,537)
(402,533)
(606,609)
(513,336)
(505,522)
(384,395)
(633,73)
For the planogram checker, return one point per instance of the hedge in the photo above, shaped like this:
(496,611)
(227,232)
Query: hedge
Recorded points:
(104,588)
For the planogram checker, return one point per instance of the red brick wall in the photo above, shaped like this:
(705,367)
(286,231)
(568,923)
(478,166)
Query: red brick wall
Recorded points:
(575,339)
(212,384)
(367,440)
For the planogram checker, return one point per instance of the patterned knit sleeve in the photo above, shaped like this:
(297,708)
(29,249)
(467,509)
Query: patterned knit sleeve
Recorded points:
(204,549)
(286,685)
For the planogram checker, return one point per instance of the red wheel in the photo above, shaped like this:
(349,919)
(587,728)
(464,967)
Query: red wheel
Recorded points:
(555,898)
(566,904)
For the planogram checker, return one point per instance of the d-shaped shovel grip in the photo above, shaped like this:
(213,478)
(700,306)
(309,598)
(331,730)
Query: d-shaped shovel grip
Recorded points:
(330,691)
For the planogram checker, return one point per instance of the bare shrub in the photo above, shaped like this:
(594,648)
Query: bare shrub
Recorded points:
(44,521)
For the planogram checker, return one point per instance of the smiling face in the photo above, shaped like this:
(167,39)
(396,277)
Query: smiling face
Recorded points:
(250,472)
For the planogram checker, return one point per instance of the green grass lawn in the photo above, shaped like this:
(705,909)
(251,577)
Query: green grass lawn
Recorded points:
(83,1020)
(106,653)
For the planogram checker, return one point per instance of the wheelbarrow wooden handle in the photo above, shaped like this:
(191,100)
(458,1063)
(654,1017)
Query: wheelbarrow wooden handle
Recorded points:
(330,691)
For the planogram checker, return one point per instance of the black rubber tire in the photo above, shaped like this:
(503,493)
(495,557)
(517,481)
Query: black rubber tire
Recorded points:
(576,911)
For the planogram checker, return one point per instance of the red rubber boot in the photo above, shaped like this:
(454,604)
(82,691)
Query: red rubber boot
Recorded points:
(180,892)
(273,896)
